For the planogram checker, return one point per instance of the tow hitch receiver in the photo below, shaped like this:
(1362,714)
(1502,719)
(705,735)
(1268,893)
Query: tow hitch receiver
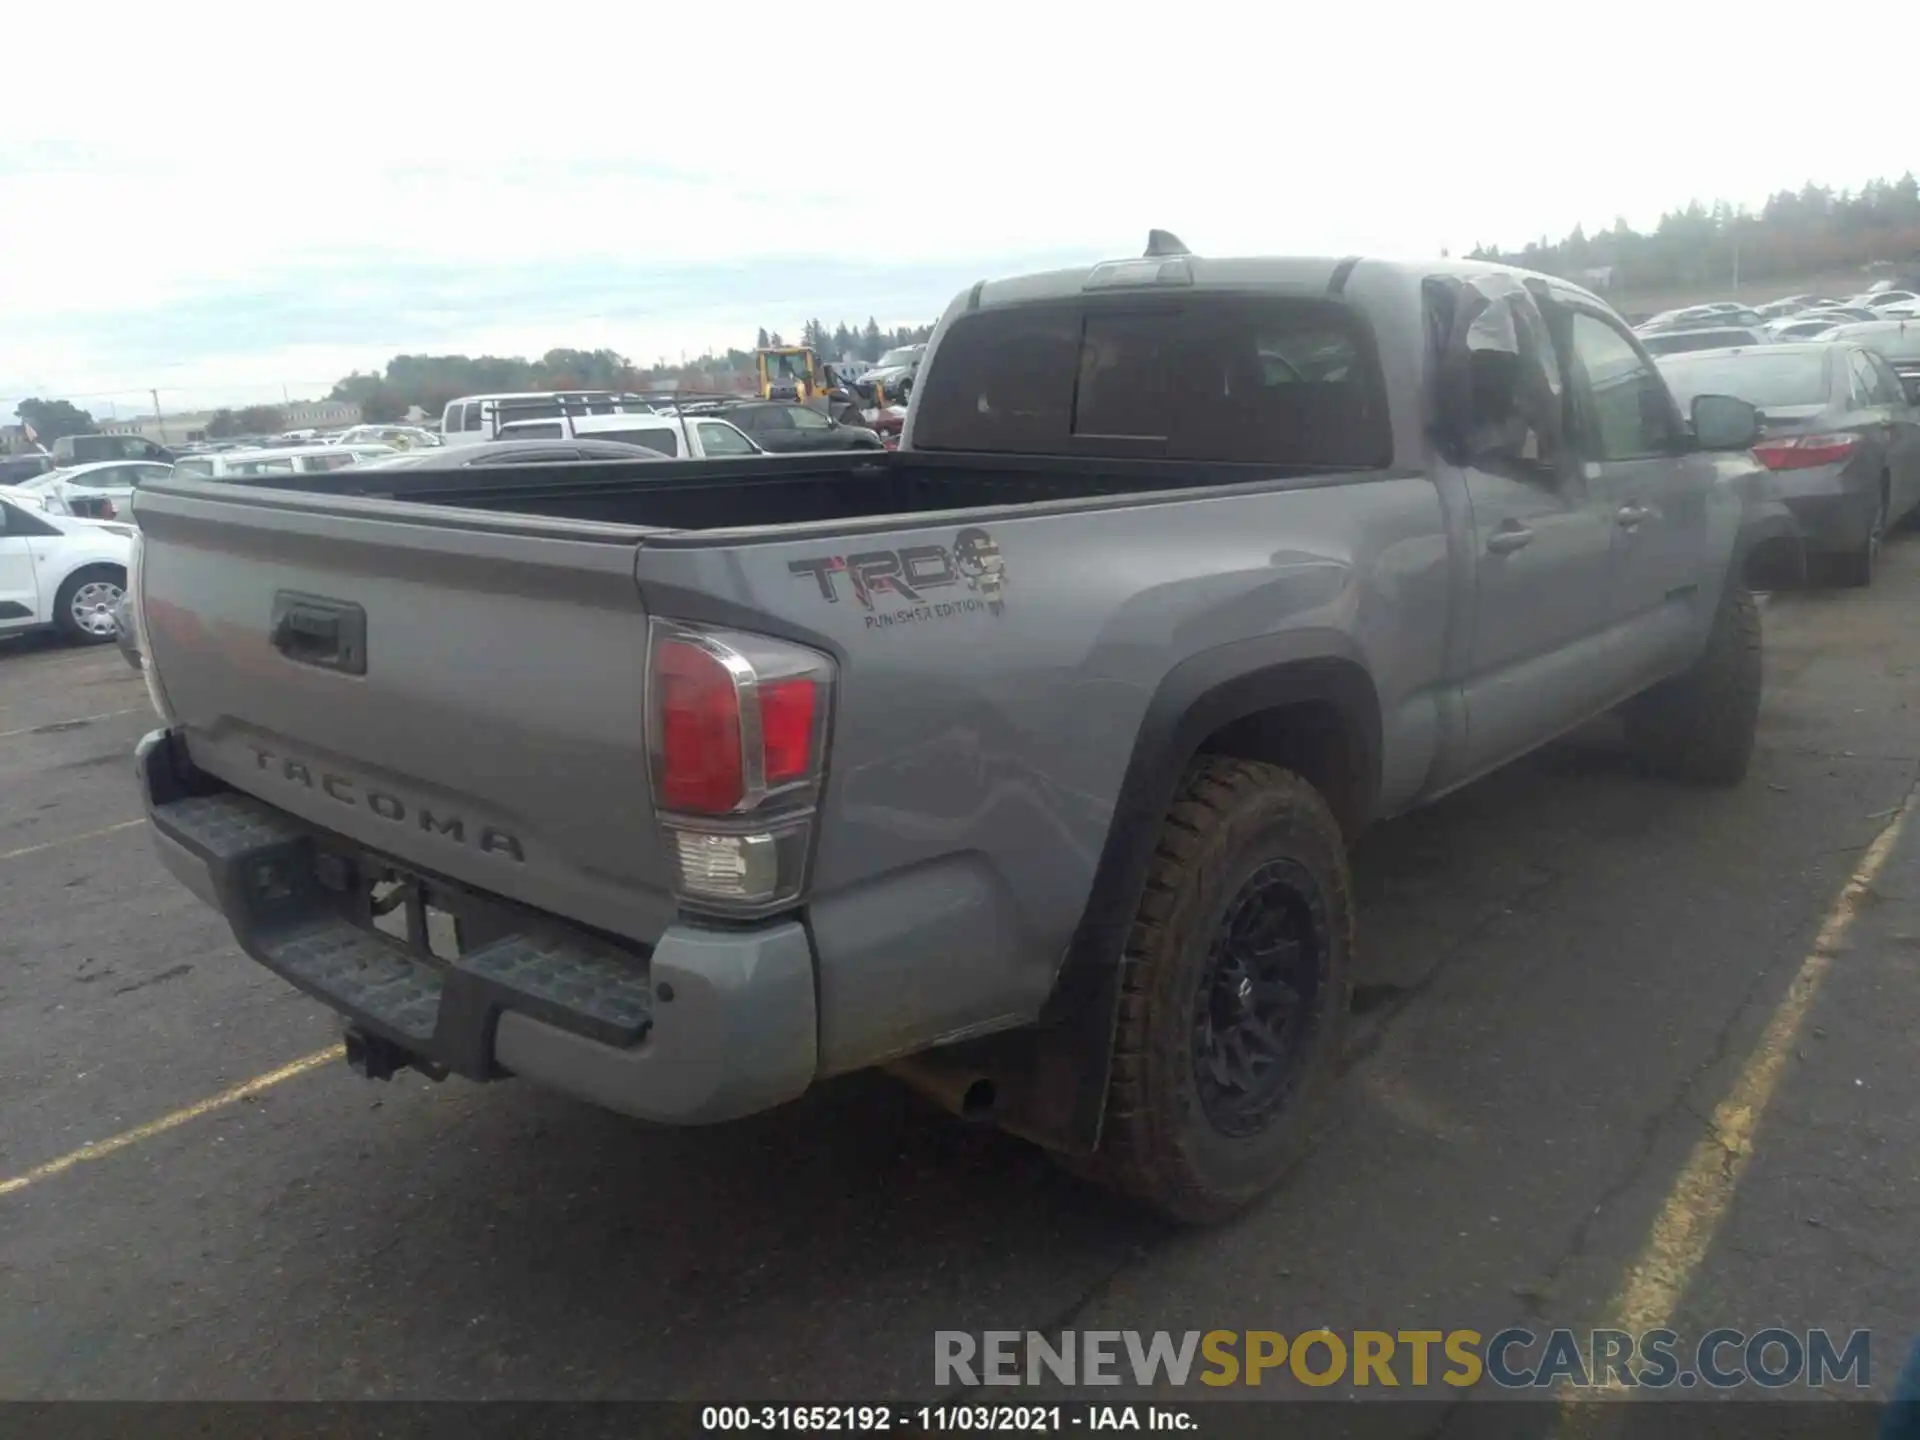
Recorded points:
(377,1058)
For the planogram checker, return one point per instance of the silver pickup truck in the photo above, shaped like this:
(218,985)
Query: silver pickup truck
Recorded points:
(1022,762)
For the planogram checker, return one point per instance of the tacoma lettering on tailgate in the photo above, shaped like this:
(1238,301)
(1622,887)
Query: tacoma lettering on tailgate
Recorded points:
(490,839)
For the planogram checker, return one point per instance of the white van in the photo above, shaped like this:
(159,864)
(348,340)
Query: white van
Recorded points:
(697,437)
(474,418)
(290,460)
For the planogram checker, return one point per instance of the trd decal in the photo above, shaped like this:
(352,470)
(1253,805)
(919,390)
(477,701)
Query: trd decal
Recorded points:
(878,578)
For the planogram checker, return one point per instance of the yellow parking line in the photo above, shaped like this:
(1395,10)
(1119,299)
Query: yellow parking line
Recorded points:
(70,840)
(98,1149)
(53,727)
(1701,1197)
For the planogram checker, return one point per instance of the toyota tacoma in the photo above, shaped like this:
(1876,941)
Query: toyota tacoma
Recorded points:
(1022,762)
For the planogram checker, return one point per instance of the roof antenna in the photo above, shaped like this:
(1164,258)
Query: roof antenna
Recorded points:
(1164,242)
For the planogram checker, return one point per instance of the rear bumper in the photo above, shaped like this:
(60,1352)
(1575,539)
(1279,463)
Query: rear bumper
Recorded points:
(709,1025)
(1833,510)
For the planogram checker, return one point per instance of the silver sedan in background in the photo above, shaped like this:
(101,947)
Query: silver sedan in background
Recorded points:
(1837,431)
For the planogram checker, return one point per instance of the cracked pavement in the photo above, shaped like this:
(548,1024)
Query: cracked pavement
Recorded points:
(1563,969)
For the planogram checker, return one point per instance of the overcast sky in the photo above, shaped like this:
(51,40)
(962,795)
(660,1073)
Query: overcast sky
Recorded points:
(226,200)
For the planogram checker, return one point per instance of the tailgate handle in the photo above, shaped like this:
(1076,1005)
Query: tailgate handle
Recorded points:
(313,630)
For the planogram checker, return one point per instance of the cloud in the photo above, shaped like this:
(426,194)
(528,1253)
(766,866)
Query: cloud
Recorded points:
(302,327)
(245,193)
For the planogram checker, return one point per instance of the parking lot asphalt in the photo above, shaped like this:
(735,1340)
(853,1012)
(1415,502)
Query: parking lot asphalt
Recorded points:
(1626,1051)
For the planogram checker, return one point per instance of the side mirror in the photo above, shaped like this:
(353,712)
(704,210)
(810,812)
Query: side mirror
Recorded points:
(1722,422)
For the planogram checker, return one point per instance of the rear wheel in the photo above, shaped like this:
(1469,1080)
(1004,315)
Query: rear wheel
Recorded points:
(1235,988)
(84,608)
(1856,567)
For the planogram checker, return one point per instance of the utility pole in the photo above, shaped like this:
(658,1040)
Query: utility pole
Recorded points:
(159,420)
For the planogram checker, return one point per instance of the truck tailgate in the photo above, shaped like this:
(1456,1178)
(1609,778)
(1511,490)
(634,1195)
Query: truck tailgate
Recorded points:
(459,691)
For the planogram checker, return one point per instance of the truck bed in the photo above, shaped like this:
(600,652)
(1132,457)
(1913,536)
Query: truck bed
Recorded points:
(783,490)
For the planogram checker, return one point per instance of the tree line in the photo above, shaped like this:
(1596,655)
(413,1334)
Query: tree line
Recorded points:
(1796,234)
(430,381)
(52,419)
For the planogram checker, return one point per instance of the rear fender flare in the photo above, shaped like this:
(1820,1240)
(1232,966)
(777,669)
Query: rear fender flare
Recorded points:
(1050,1081)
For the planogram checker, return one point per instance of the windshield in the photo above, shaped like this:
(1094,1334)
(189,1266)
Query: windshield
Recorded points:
(1795,377)
(903,356)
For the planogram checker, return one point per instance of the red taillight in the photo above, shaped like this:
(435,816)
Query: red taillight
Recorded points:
(737,730)
(1805,452)
(736,718)
(786,729)
(700,763)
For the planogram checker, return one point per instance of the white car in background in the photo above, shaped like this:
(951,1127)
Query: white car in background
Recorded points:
(287,460)
(101,491)
(58,571)
(400,437)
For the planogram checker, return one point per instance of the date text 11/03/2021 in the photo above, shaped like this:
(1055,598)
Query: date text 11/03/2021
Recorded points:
(946,1419)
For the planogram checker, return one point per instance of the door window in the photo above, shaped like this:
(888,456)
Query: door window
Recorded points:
(657,438)
(1628,413)
(805,419)
(723,440)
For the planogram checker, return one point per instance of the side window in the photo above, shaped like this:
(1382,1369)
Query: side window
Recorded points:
(770,420)
(194,469)
(545,430)
(110,477)
(805,419)
(472,418)
(15,521)
(1628,410)
(337,461)
(665,441)
(1885,386)
(723,440)
(1889,377)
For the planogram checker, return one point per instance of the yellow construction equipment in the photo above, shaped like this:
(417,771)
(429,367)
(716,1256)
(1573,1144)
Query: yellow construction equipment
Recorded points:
(790,372)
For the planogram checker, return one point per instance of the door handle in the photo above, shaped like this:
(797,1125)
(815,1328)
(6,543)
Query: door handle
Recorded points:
(1508,538)
(1632,515)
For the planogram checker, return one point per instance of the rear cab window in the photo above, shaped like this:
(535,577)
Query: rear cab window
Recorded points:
(1292,382)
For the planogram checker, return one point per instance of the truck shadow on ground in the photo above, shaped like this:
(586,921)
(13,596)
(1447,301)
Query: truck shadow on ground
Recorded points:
(823,1243)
